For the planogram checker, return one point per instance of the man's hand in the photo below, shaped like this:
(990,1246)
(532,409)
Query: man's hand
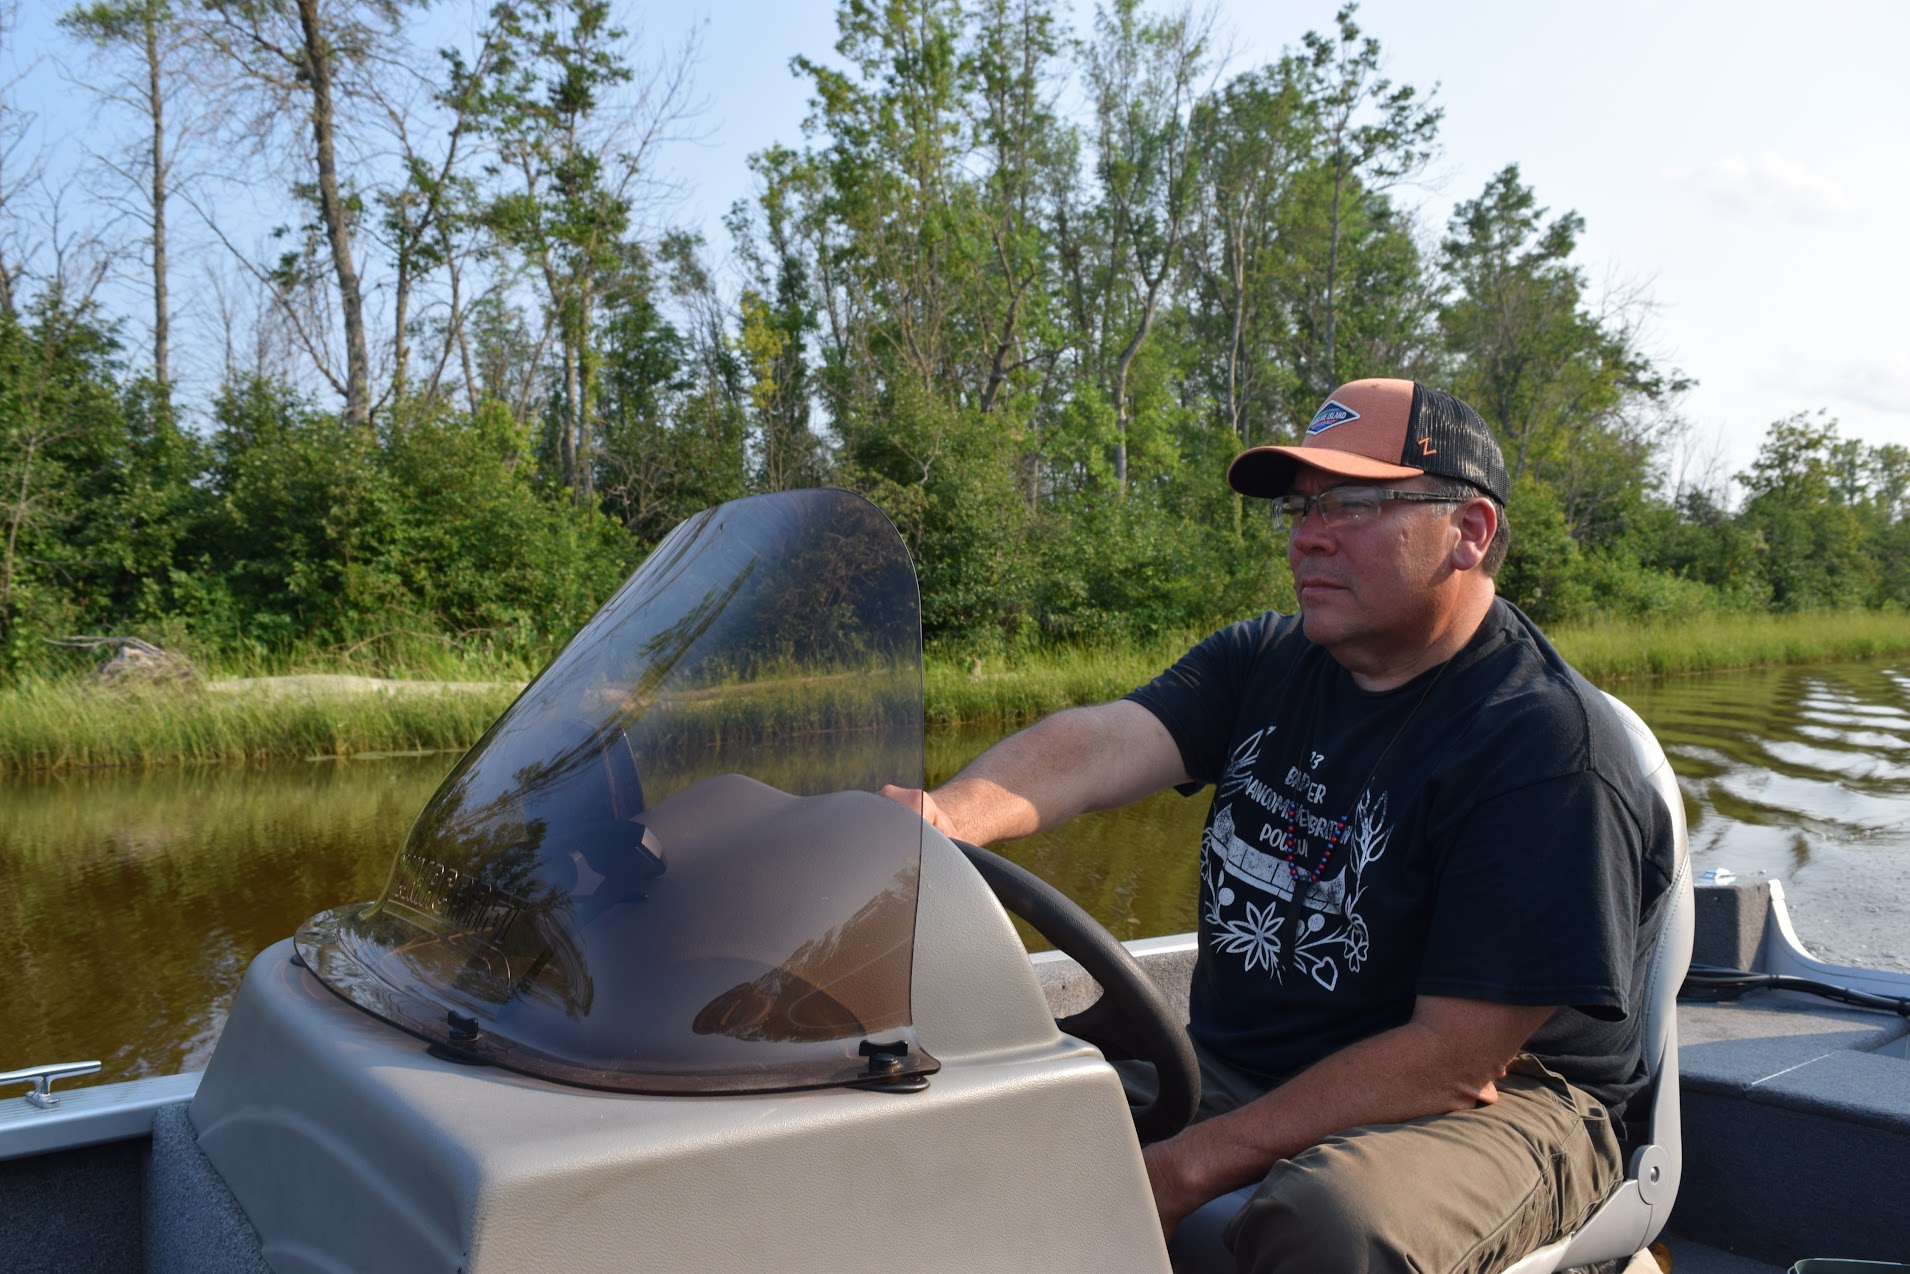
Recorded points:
(1077,760)
(1444,1059)
(924,804)
(1174,1198)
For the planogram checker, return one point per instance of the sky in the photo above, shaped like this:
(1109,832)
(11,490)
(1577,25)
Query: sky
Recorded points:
(1743,165)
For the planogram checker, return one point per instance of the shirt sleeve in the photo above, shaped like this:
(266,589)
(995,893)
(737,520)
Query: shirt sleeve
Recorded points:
(1199,697)
(1536,900)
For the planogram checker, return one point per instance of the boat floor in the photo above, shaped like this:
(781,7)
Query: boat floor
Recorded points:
(1688,1257)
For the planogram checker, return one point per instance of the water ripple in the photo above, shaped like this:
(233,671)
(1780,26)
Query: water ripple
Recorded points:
(1803,776)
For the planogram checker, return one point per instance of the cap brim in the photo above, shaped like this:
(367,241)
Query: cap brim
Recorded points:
(1267,472)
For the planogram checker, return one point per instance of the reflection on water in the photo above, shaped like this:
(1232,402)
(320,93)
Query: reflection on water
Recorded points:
(1802,775)
(129,905)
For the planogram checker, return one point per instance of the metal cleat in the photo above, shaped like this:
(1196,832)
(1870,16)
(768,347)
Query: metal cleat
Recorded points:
(42,1077)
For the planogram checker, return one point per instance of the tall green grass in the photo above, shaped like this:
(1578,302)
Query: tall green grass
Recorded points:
(1018,690)
(67,724)
(399,655)
(411,660)
(1027,686)
(71,725)
(1712,643)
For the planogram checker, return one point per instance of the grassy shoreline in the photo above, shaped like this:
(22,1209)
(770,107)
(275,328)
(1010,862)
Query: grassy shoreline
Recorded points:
(52,726)
(1608,654)
(49,727)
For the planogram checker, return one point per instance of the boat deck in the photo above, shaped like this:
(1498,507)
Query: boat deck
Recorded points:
(70,1211)
(1795,1129)
(1688,1257)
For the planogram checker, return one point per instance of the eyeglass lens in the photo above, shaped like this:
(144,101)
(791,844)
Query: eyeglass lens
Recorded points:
(1340,506)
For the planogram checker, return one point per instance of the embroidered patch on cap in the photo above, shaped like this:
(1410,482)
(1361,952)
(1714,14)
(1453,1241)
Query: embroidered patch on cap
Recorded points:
(1331,414)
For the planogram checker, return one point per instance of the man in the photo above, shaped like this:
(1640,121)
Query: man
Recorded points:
(1427,878)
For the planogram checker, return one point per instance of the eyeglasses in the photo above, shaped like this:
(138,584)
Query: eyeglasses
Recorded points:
(1346,506)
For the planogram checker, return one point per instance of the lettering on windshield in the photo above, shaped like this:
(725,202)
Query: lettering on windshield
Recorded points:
(442,896)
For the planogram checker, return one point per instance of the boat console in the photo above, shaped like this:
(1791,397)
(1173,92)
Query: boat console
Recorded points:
(659,982)
(351,1146)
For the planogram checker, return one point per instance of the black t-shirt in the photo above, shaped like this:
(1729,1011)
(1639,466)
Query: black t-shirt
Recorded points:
(1481,832)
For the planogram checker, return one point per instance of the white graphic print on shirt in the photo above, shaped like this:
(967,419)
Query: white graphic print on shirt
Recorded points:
(1263,845)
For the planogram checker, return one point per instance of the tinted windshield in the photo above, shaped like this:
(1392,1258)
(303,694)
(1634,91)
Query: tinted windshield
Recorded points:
(662,869)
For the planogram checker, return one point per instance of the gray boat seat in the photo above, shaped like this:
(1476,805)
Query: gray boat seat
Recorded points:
(1636,1212)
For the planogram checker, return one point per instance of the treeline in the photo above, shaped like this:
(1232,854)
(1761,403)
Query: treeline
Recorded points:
(1026,288)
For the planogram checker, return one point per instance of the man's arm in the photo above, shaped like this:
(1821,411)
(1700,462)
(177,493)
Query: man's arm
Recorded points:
(1445,1058)
(1074,761)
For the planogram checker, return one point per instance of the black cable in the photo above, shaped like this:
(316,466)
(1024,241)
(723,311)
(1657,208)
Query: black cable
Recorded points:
(1715,982)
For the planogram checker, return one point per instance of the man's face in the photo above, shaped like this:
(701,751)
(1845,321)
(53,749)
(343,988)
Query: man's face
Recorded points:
(1370,593)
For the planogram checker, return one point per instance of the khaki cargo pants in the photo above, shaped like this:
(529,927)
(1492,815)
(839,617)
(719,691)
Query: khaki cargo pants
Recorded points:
(1448,1194)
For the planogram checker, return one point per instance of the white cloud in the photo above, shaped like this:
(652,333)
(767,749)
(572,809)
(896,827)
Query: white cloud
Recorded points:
(1771,185)
(1881,386)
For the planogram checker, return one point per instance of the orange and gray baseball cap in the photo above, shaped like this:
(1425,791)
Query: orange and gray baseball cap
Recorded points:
(1381,430)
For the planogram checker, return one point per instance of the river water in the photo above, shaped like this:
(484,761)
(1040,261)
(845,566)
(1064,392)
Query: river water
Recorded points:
(130,904)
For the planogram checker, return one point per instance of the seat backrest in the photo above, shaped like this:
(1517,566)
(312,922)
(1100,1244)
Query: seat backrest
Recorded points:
(1671,952)
(1637,1211)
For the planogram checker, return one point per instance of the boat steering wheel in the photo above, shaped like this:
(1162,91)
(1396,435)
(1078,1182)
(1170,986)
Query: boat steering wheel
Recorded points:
(1132,1018)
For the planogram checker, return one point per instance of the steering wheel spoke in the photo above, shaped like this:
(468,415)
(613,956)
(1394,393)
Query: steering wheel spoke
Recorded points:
(1102,1025)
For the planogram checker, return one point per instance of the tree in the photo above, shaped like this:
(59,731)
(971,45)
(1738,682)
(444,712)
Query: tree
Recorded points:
(148,48)
(1696,537)
(56,417)
(1805,503)
(1027,156)
(673,442)
(1577,405)
(767,362)
(886,207)
(300,59)
(423,213)
(572,144)
(472,550)
(508,354)
(97,484)
(1888,479)
(1142,76)
(291,550)
(919,217)
(1255,136)
(20,170)
(1376,133)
